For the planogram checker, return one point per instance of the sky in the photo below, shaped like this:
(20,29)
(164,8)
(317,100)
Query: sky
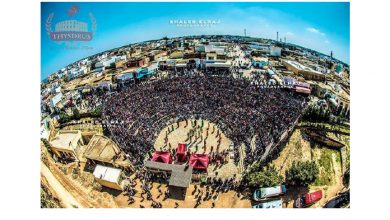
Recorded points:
(321,26)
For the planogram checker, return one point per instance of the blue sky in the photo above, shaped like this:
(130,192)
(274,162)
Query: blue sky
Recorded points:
(322,26)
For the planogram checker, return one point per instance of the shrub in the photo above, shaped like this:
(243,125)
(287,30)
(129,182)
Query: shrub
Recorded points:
(266,177)
(302,173)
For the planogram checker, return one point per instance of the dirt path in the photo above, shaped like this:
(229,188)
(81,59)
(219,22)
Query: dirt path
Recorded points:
(66,198)
(224,200)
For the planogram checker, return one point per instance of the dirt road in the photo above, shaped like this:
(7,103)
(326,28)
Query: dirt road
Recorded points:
(66,198)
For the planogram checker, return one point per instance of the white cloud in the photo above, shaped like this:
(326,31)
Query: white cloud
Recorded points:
(314,30)
(327,42)
(289,34)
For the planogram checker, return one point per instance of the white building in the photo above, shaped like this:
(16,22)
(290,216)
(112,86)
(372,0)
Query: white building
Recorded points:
(108,176)
(56,99)
(275,51)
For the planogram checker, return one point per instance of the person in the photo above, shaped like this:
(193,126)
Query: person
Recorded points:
(266,113)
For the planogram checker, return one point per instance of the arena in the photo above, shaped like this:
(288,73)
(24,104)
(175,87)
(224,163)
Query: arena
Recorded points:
(214,114)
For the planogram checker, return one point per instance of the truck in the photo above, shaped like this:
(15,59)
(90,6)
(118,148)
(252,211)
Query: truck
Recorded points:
(308,199)
(264,193)
(269,204)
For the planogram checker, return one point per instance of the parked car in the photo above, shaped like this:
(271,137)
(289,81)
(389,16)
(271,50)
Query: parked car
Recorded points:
(308,199)
(268,205)
(263,193)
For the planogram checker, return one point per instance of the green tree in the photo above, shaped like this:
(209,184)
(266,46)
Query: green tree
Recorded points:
(47,199)
(266,177)
(76,114)
(97,112)
(302,173)
(64,118)
(66,78)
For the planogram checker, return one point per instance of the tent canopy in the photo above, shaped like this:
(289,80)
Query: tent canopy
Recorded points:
(181,152)
(199,161)
(181,148)
(161,156)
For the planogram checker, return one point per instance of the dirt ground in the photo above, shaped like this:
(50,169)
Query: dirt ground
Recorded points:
(79,192)
(179,136)
(328,160)
(224,200)
(72,192)
(67,200)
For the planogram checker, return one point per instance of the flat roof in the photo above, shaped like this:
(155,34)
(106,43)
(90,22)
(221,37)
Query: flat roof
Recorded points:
(179,175)
(107,173)
(301,66)
(64,139)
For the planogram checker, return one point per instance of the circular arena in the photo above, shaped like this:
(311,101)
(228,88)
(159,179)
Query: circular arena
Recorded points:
(221,116)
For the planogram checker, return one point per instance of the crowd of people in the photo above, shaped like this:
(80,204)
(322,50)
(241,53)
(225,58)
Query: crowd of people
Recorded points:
(204,192)
(240,109)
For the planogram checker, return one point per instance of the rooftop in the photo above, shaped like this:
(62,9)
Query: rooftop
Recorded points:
(301,66)
(107,173)
(179,176)
(66,139)
(103,149)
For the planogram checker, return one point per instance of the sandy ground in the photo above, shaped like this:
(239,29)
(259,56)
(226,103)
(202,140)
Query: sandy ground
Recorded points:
(67,188)
(224,200)
(74,193)
(296,148)
(179,135)
(66,198)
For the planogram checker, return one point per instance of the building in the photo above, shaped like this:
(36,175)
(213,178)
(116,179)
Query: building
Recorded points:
(259,62)
(125,77)
(180,175)
(68,144)
(135,62)
(218,64)
(55,100)
(108,177)
(211,48)
(275,51)
(102,150)
(77,72)
(304,71)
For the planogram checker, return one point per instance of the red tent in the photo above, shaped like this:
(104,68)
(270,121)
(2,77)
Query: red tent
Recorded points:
(199,161)
(161,156)
(181,152)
